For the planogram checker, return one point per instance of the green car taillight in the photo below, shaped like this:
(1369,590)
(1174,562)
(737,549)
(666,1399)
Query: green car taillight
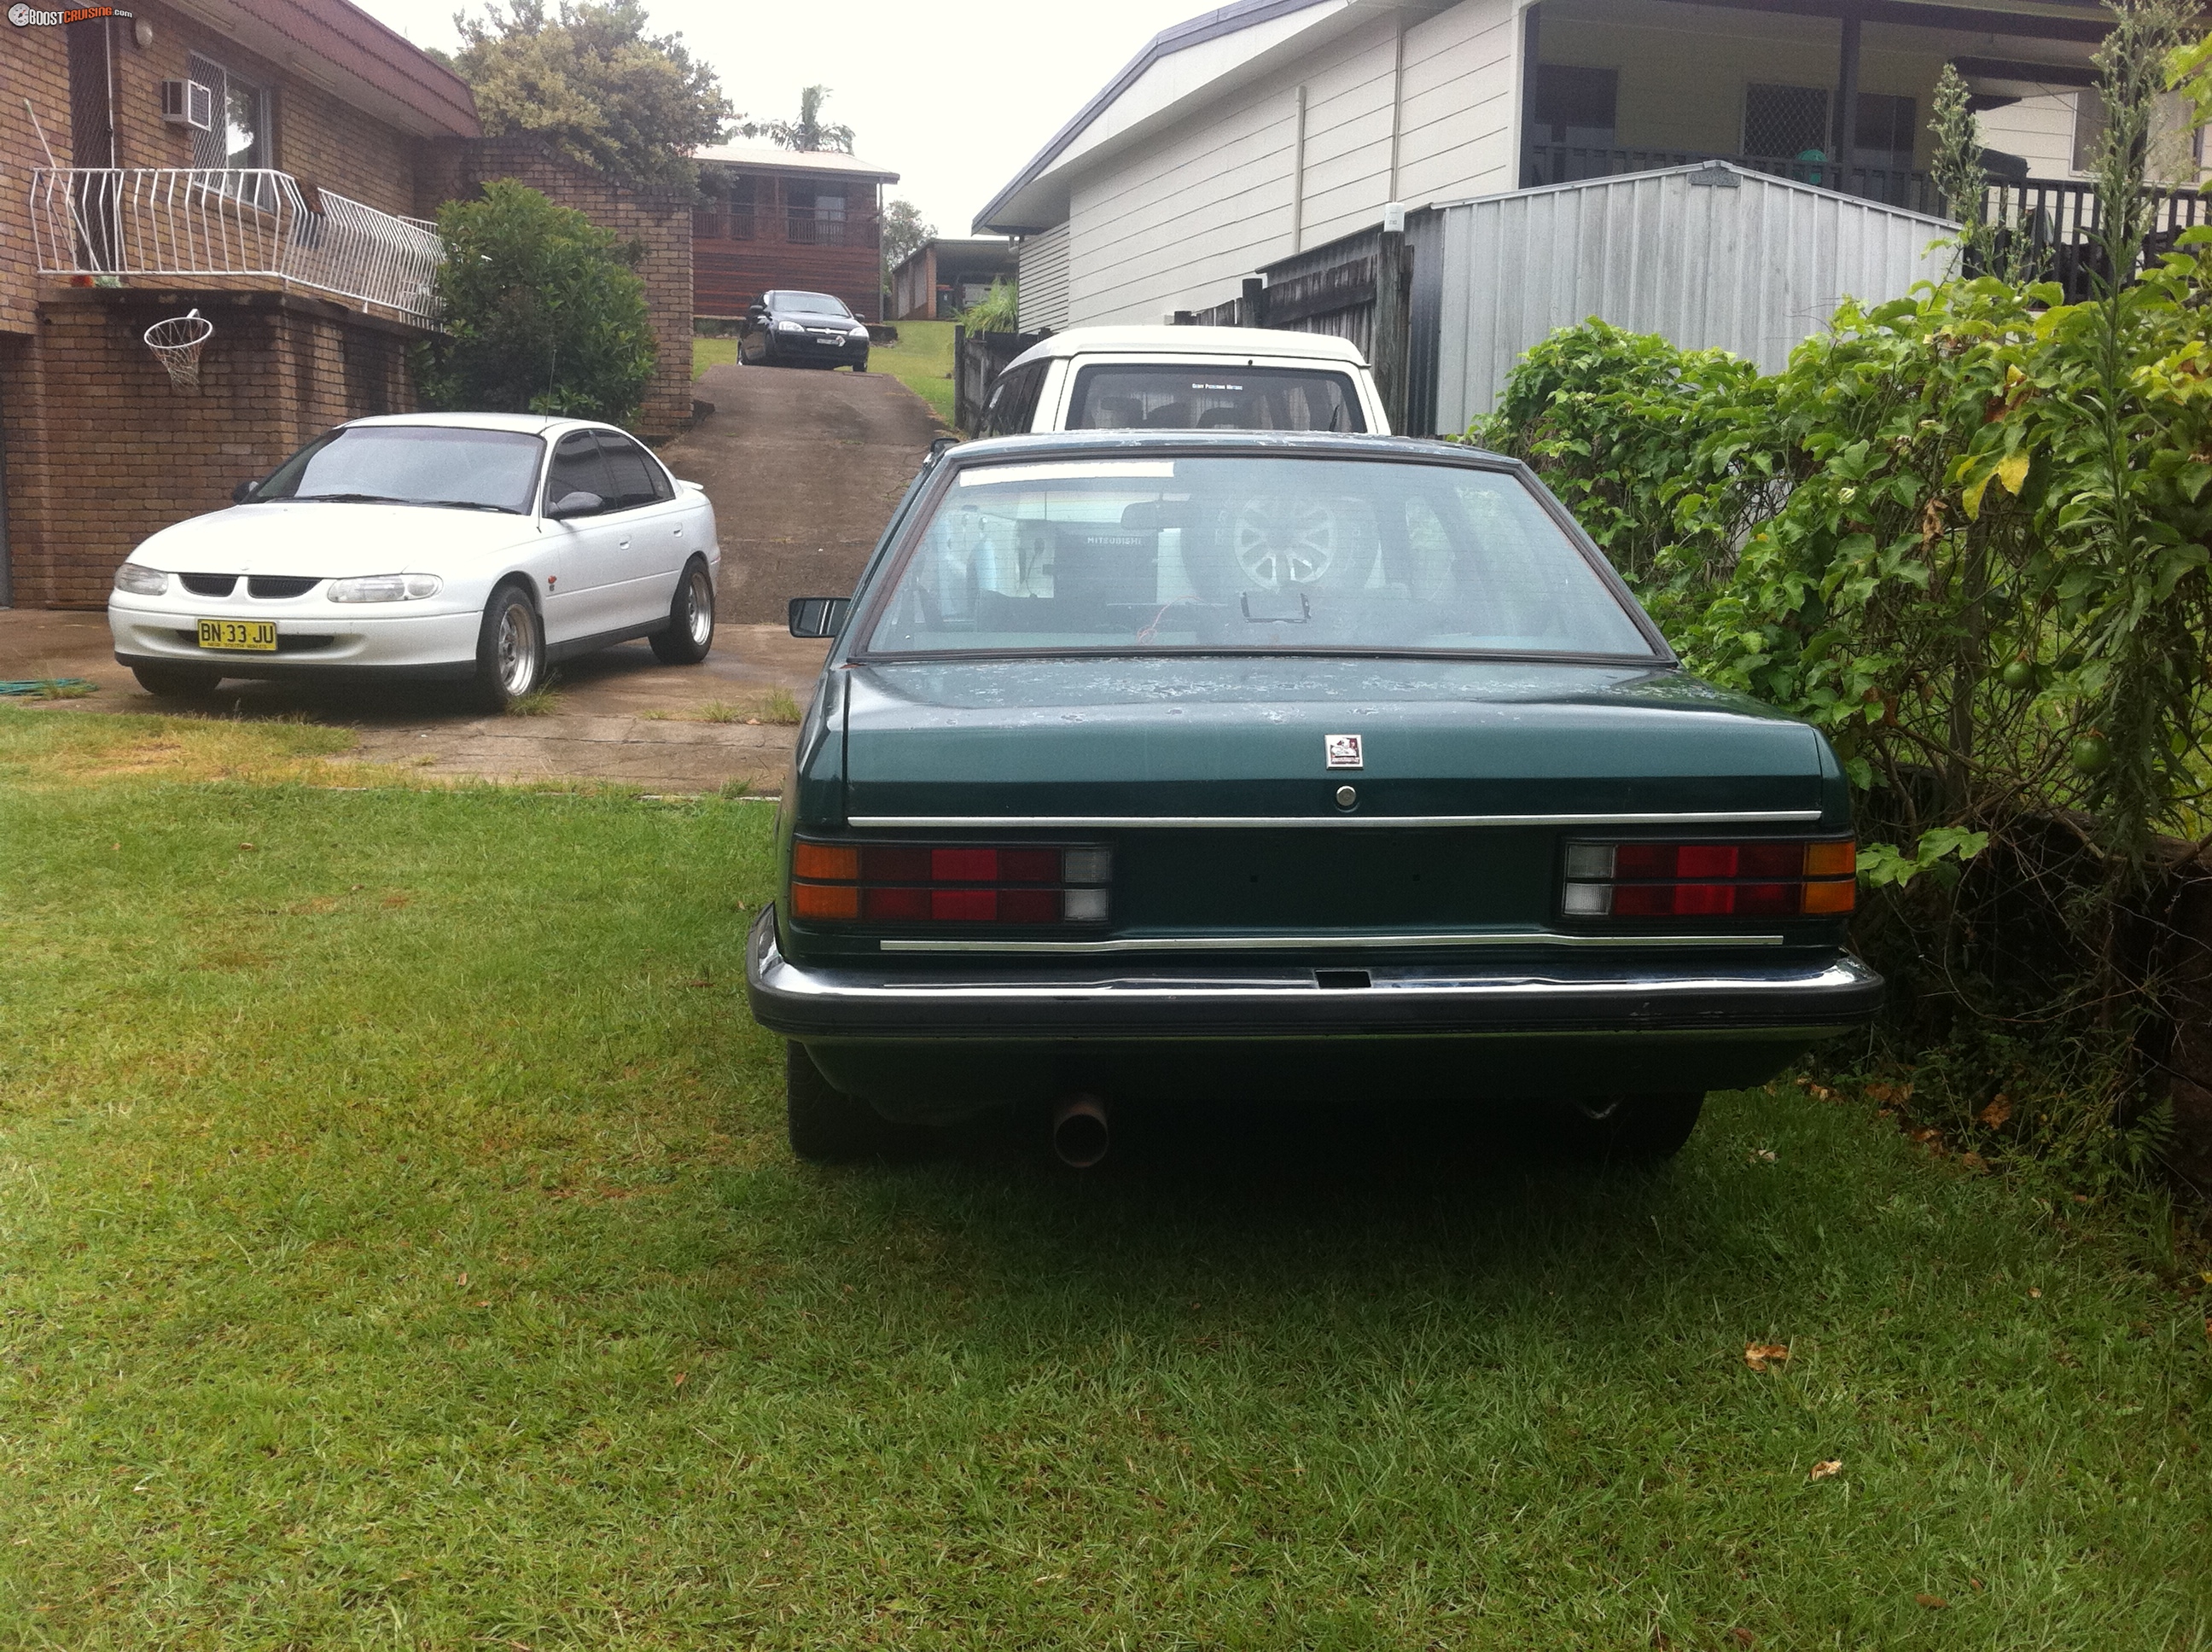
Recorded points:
(1786,877)
(950,883)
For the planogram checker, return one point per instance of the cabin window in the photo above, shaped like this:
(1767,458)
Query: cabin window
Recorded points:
(1886,131)
(1786,122)
(1573,107)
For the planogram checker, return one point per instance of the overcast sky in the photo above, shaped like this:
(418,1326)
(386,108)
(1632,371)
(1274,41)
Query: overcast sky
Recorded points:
(954,108)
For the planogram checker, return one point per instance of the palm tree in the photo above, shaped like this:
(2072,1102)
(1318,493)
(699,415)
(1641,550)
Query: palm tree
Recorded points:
(810,133)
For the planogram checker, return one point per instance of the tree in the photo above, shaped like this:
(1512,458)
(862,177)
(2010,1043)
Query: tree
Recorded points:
(594,83)
(810,133)
(904,232)
(542,309)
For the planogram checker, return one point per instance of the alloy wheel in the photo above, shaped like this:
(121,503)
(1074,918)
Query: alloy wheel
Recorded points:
(516,647)
(699,607)
(1285,542)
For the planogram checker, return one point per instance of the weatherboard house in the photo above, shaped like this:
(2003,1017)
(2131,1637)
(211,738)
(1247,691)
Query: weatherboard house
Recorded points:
(1721,173)
(271,164)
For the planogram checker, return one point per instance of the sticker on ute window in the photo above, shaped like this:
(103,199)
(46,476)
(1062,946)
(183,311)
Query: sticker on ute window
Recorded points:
(1343,750)
(985,476)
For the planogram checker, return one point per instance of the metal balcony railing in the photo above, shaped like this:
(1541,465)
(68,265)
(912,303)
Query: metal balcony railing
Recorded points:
(187,221)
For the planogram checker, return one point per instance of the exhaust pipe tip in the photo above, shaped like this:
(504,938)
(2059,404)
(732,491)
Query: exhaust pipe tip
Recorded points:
(1079,1133)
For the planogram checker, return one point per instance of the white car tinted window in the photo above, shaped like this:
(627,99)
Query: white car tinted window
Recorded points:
(635,478)
(579,467)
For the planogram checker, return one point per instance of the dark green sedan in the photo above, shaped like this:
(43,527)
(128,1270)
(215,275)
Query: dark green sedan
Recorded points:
(1256,765)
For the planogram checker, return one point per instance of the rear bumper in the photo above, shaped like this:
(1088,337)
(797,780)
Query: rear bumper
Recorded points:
(1793,1000)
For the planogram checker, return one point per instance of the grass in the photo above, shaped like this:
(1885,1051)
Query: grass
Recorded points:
(401,1252)
(922,361)
(712,353)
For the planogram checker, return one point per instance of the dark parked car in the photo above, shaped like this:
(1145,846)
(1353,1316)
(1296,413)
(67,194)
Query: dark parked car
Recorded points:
(1187,765)
(804,330)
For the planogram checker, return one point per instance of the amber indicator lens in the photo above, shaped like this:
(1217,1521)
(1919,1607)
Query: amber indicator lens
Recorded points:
(951,884)
(1783,877)
(831,863)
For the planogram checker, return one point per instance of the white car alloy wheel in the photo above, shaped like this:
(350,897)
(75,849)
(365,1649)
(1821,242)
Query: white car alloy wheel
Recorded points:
(699,608)
(511,651)
(517,649)
(689,636)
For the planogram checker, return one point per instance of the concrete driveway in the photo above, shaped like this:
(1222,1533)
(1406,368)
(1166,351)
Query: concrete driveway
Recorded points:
(803,469)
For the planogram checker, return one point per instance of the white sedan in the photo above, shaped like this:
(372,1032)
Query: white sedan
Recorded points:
(473,548)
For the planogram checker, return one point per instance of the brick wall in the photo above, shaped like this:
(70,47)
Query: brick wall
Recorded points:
(38,68)
(102,451)
(661,220)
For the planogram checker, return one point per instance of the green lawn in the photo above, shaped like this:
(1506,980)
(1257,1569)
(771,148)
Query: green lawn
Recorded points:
(922,361)
(398,1249)
(712,353)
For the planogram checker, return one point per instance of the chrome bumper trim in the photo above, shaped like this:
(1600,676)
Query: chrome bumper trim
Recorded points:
(1521,938)
(1207,823)
(1781,998)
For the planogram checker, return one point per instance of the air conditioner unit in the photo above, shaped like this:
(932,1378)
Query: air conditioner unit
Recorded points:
(187,103)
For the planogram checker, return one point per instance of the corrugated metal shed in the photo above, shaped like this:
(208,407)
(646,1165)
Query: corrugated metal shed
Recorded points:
(1709,255)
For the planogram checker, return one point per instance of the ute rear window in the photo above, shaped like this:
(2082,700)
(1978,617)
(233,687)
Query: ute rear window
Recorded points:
(1206,398)
(1275,553)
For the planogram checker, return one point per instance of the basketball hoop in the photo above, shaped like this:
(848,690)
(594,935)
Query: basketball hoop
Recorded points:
(176,345)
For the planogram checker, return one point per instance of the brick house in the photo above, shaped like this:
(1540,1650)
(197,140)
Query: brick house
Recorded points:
(285,201)
(778,218)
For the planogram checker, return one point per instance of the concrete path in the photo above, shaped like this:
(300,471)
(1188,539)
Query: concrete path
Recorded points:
(805,467)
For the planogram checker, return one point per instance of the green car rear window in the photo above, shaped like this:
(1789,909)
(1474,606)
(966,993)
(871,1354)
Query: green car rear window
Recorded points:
(1265,553)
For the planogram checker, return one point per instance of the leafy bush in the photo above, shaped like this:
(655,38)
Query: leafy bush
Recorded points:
(997,311)
(1966,534)
(543,312)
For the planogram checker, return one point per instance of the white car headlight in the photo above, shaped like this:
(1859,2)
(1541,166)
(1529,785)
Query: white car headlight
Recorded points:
(789,327)
(140,580)
(384,587)
(859,332)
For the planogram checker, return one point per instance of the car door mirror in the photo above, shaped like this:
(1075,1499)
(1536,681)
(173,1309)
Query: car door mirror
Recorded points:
(820,616)
(579,503)
(243,493)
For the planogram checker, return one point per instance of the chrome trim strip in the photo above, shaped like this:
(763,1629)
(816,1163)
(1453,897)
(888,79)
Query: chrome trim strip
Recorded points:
(1325,943)
(1185,822)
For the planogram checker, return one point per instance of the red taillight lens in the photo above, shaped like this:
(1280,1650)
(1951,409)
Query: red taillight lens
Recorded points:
(949,884)
(1772,878)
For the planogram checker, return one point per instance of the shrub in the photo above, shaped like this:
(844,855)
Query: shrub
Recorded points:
(543,312)
(1966,534)
(997,311)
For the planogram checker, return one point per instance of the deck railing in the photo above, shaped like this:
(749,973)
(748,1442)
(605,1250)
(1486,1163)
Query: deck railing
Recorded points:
(2050,227)
(191,222)
(1915,192)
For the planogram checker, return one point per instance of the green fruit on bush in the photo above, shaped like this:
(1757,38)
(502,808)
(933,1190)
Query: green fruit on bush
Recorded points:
(2018,674)
(2092,754)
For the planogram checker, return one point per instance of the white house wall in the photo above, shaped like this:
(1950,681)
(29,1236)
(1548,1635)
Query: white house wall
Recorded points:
(1041,279)
(1179,221)
(1751,270)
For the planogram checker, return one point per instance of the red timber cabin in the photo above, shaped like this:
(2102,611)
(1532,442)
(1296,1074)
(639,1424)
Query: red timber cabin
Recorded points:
(775,218)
